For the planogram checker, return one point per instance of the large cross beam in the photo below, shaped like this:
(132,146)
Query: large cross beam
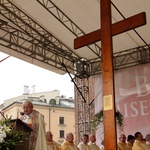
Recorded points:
(117,28)
(105,35)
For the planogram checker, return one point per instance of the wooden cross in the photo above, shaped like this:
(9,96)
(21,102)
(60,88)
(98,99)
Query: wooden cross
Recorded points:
(105,35)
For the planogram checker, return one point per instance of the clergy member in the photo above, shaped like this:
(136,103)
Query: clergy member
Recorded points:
(35,120)
(51,145)
(68,144)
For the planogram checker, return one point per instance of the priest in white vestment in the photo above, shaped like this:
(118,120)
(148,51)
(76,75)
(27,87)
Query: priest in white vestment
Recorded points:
(35,120)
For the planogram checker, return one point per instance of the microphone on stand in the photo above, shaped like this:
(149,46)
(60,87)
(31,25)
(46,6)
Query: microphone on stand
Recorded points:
(21,113)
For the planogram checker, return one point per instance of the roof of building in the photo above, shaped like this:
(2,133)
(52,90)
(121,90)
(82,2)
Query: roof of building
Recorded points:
(63,103)
(50,98)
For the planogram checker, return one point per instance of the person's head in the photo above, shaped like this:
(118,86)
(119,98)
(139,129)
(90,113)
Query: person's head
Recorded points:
(122,138)
(138,136)
(49,136)
(131,139)
(69,137)
(92,138)
(27,107)
(147,138)
(85,138)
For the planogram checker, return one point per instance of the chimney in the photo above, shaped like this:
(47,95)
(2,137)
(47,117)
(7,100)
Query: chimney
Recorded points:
(26,90)
(33,89)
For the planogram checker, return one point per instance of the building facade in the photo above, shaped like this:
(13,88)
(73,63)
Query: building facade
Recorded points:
(59,114)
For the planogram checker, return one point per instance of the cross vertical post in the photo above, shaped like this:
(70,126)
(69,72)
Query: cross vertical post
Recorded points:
(108,77)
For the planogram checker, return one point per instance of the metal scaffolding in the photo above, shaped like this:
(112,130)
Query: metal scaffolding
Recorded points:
(84,110)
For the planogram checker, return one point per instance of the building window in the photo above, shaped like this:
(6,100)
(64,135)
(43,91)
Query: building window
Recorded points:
(61,120)
(62,133)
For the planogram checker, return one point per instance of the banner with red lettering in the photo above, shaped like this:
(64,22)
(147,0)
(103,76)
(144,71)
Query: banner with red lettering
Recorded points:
(132,96)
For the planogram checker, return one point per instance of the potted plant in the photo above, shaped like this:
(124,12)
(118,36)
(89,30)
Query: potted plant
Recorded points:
(9,138)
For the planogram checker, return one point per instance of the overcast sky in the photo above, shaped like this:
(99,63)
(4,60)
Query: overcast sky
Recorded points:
(16,73)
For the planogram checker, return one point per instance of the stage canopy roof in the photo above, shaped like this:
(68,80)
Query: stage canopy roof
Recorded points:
(42,32)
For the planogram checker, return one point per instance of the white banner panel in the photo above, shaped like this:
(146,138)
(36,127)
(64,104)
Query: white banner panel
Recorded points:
(132,96)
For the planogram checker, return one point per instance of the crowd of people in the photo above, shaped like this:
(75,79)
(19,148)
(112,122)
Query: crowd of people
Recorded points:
(41,140)
(134,142)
